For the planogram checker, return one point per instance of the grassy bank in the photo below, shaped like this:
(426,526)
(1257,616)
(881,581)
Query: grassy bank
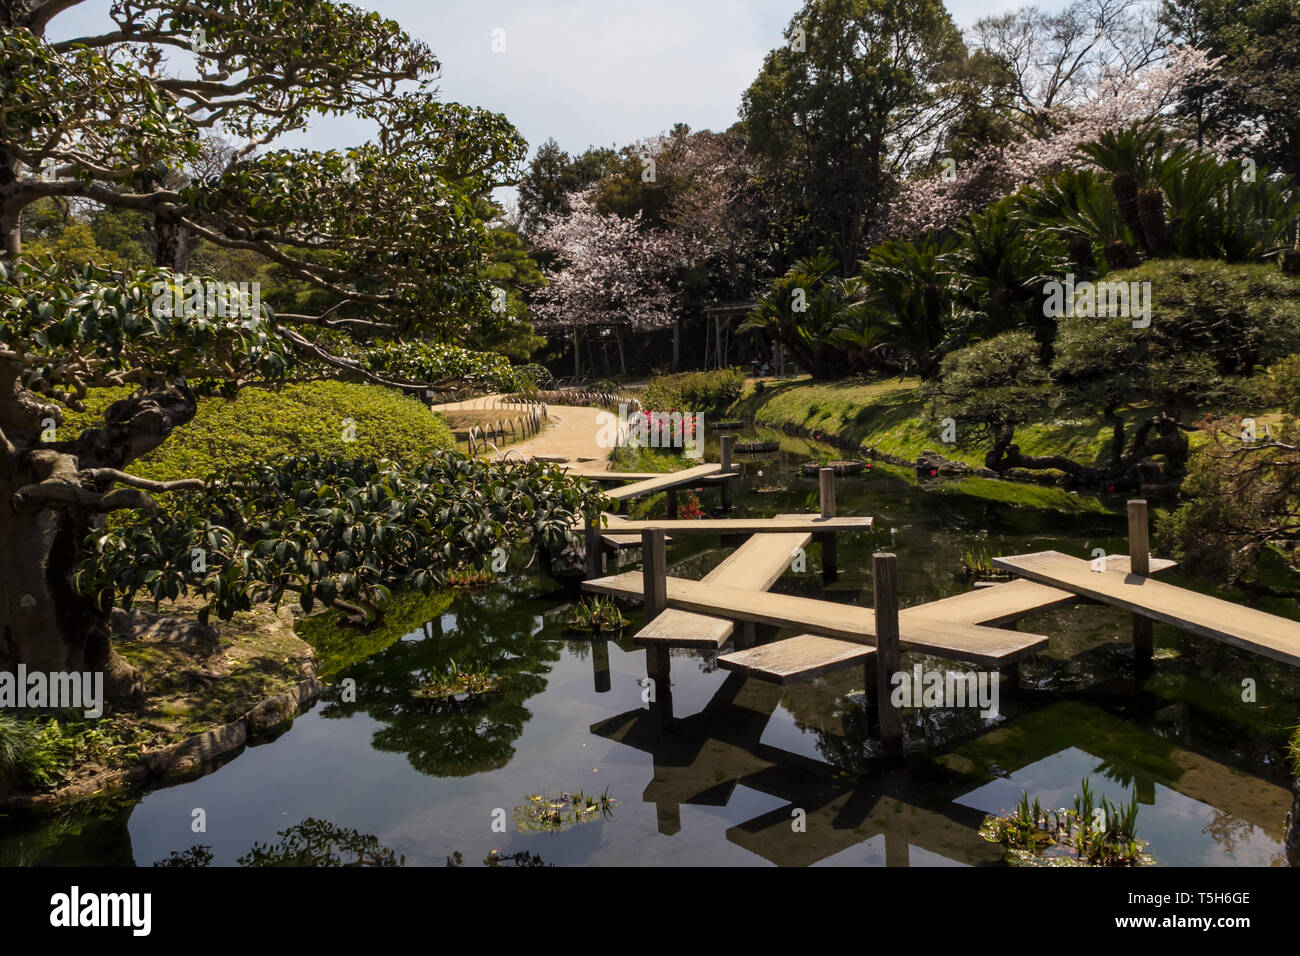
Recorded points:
(886,418)
(195,681)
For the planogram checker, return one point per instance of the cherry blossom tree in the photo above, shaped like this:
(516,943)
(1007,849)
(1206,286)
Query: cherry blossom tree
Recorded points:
(1119,98)
(607,273)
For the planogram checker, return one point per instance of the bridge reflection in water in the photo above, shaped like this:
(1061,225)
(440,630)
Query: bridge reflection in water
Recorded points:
(936,802)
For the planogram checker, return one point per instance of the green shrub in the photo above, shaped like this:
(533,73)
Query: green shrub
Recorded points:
(40,752)
(18,740)
(705,392)
(305,419)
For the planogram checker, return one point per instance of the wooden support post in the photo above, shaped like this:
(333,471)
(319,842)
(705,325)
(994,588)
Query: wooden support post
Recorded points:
(727,442)
(830,558)
(593,546)
(600,666)
(1010,679)
(898,852)
(654,572)
(869,694)
(654,588)
(672,502)
(1009,674)
(884,574)
(1139,555)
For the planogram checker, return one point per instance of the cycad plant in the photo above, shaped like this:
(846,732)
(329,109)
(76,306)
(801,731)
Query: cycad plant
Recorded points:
(1138,162)
(907,291)
(1185,202)
(802,308)
(1000,270)
(1078,207)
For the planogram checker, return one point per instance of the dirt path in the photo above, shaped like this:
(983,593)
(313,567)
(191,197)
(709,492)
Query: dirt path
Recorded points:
(570,432)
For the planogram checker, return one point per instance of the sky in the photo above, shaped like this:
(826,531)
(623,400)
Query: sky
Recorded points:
(586,72)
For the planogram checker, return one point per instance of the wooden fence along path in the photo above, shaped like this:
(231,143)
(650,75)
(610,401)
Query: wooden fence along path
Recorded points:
(520,427)
(976,626)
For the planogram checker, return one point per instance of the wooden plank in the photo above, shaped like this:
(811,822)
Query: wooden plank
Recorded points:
(757,564)
(673,479)
(1244,627)
(611,475)
(795,658)
(617,476)
(985,645)
(618,525)
(618,542)
(676,628)
(1009,602)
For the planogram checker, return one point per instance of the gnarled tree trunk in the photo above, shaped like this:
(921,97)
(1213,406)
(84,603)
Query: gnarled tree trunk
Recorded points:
(44,623)
(1125,466)
(48,507)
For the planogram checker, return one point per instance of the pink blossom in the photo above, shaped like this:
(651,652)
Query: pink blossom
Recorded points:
(1118,99)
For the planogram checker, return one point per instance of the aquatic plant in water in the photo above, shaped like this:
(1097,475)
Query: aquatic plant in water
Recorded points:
(467,578)
(456,681)
(977,562)
(1090,833)
(555,812)
(597,615)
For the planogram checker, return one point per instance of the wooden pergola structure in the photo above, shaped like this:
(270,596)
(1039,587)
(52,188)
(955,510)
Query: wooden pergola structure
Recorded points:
(718,321)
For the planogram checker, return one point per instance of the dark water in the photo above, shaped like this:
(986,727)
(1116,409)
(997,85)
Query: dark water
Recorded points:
(725,777)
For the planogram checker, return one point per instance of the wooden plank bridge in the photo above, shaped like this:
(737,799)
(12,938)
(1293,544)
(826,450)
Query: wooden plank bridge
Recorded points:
(977,626)
(701,759)
(1256,631)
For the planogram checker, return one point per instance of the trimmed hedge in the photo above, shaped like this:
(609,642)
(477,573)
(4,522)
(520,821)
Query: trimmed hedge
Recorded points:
(299,419)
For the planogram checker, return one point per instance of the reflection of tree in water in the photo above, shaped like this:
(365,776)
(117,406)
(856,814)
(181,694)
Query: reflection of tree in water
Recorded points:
(89,833)
(310,843)
(492,630)
(1229,830)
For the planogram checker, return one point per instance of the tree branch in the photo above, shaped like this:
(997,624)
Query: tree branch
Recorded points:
(64,494)
(157,487)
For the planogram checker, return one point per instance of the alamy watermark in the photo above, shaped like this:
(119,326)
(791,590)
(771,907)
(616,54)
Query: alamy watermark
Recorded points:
(1128,300)
(58,690)
(923,688)
(192,298)
(74,909)
(646,429)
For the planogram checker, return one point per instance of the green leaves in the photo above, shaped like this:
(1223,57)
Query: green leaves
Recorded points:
(85,326)
(336,531)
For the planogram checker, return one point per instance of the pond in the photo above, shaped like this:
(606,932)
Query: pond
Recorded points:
(742,772)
